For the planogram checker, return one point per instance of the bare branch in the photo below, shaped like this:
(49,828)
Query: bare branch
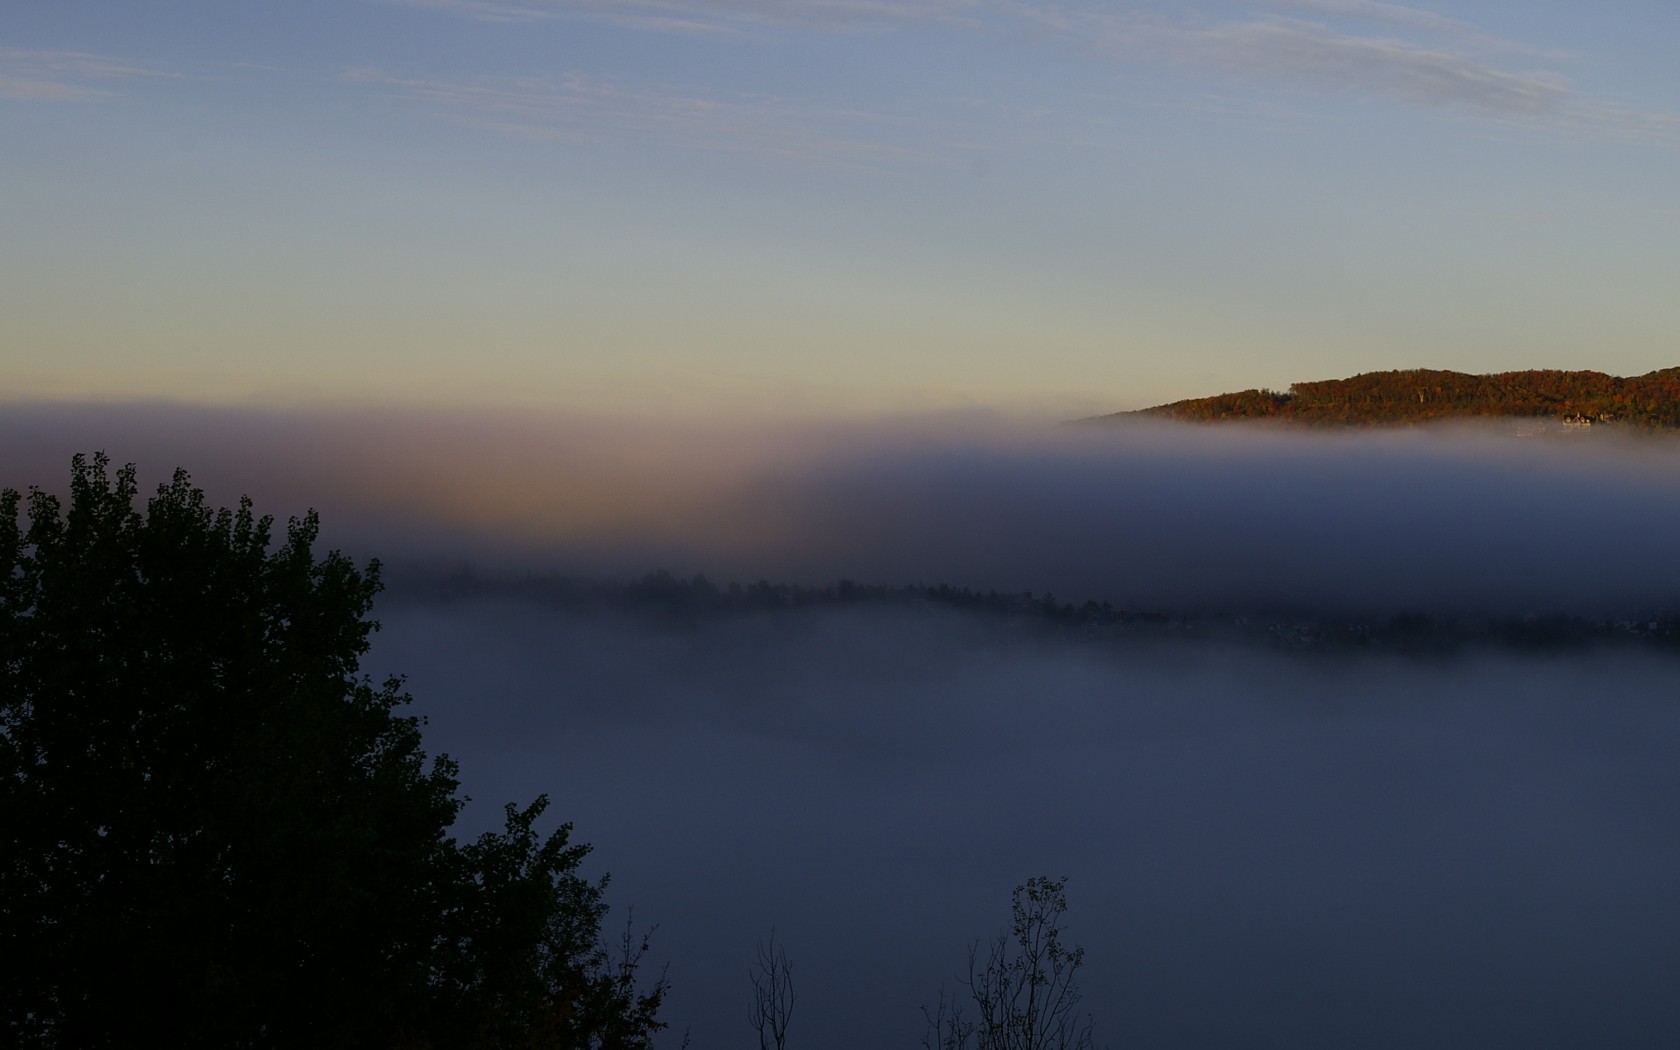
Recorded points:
(772,1006)
(1024,989)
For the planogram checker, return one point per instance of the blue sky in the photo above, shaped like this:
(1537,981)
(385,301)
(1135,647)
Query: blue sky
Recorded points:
(825,207)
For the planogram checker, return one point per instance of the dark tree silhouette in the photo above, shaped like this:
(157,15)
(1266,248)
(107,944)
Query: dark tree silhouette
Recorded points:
(1023,989)
(214,831)
(772,1005)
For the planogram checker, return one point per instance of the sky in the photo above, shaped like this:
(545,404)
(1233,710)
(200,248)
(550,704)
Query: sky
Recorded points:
(819,208)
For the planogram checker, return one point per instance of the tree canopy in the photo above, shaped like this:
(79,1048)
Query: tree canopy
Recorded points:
(1423,395)
(215,831)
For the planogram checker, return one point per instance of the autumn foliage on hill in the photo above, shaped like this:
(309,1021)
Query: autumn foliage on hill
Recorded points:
(1426,395)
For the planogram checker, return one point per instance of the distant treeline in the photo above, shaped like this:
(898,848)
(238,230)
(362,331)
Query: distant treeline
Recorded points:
(662,595)
(667,600)
(1426,395)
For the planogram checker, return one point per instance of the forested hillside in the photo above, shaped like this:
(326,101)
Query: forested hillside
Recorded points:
(1426,395)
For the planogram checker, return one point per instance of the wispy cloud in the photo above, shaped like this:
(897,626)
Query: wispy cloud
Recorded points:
(33,90)
(485,10)
(717,16)
(1430,59)
(1620,122)
(583,107)
(1312,52)
(1376,11)
(1343,48)
(63,76)
(1363,48)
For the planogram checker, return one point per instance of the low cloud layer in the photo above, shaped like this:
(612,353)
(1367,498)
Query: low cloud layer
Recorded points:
(1147,516)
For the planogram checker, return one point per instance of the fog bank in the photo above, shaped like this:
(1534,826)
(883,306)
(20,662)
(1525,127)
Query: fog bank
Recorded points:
(1263,850)
(1147,515)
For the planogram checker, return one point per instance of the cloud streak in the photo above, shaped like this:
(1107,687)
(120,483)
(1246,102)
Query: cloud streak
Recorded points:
(1307,52)
(1414,19)
(578,106)
(1423,60)
(724,16)
(63,76)
(1346,48)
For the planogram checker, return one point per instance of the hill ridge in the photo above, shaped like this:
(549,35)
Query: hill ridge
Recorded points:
(1425,395)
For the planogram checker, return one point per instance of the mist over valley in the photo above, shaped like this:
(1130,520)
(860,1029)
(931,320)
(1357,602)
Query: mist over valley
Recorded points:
(1266,843)
(1263,848)
(1460,520)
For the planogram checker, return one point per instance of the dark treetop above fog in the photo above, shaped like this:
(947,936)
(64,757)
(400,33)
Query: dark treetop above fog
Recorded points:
(216,832)
(1423,395)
